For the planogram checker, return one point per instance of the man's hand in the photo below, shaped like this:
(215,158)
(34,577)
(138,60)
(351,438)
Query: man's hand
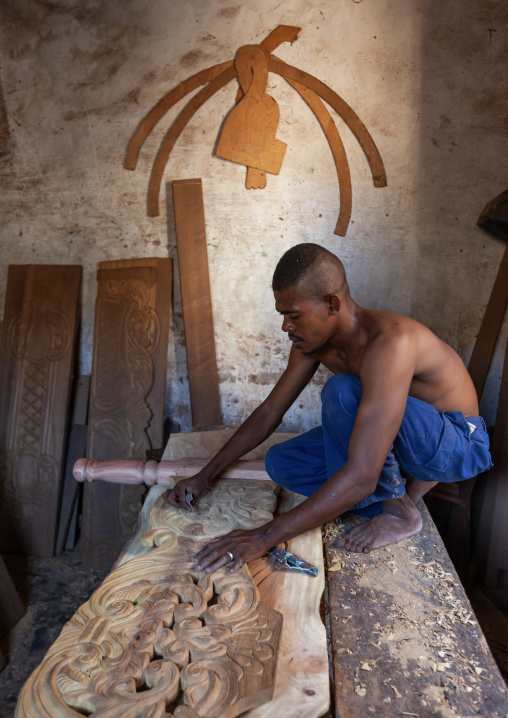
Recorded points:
(243,545)
(195,485)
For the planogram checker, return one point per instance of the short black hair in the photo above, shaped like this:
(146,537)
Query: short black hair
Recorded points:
(310,261)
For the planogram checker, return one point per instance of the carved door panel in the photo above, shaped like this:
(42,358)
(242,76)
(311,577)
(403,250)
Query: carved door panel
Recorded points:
(127,393)
(36,359)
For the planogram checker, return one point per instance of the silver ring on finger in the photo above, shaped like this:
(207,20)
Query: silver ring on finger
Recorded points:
(231,557)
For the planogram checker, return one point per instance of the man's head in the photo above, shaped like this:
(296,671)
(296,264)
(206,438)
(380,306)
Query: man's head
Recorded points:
(310,286)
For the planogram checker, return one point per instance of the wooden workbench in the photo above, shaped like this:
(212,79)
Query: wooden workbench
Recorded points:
(404,638)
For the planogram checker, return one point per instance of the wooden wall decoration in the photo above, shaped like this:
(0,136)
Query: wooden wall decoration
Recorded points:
(196,302)
(312,91)
(127,393)
(36,360)
(159,638)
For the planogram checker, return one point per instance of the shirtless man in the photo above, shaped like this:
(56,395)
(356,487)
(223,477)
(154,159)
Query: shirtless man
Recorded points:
(400,398)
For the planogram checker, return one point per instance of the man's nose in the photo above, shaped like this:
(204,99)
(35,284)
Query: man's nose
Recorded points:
(287,325)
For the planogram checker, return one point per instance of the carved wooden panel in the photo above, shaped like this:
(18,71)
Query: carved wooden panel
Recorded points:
(127,393)
(160,639)
(36,359)
(302,688)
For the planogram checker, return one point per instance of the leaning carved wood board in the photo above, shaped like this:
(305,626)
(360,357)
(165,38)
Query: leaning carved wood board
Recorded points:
(159,638)
(36,361)
(127,393)
(405,640)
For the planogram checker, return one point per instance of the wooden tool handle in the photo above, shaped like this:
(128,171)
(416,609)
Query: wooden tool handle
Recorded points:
(131,471)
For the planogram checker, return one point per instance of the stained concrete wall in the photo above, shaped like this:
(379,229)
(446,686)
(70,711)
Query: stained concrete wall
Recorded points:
(429,80)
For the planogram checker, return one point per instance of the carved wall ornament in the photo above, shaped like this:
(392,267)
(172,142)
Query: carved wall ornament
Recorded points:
(248,135)
(160,639)
(38,334)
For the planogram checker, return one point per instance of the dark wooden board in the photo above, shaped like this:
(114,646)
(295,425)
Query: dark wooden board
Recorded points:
(401,611)
(36,360)
(479,364)
(196,301)
(76,448)
(11,608)
(496,503)
(127,393)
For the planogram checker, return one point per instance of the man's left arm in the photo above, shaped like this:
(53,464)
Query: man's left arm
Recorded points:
(386,372)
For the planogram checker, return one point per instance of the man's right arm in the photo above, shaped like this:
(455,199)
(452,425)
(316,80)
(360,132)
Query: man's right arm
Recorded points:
(255,429)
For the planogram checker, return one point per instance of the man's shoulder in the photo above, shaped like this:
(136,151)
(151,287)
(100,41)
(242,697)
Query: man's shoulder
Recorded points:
(388,326)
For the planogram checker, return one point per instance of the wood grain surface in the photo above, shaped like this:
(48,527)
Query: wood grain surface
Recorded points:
(127,393)
(159,638)
(196,301)
(405,640)
(302,688)
(36,360)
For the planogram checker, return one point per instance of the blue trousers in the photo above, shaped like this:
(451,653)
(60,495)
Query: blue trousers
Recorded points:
(430,446)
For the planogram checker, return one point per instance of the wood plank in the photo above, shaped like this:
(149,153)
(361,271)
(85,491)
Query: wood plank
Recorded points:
(11,608)
(496,504)
(405,639)
(76,447)
(127,393)
(36,360)
(67,529)
(196,301)
(486,339)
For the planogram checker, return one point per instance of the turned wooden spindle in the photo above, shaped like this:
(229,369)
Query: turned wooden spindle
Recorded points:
(164,473)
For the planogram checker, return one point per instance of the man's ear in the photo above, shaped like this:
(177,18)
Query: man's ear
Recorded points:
(334,303)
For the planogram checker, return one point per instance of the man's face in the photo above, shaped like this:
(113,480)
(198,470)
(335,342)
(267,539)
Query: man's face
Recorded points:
(307,322)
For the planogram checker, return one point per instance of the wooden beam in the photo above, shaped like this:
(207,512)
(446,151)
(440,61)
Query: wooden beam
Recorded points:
(127,393)
(196,302)
(498,479)
(486,339)
(163,473)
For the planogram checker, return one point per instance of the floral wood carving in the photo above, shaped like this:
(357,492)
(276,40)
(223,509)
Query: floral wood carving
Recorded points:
(160,639)
(38,338)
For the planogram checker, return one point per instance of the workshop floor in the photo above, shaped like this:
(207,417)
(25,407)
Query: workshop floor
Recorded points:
(54,588)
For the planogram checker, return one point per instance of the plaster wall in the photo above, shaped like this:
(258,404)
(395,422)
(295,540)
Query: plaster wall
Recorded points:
(428,79)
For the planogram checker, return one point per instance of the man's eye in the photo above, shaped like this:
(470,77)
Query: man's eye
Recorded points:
(294,316)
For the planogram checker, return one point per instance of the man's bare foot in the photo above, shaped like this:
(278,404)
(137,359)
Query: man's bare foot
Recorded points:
(399,519)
